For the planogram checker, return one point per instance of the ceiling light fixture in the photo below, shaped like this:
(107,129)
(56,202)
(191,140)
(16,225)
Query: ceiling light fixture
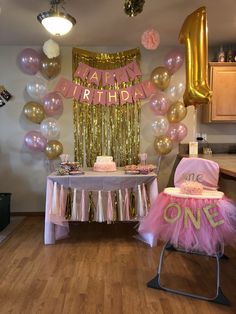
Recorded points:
(56,21)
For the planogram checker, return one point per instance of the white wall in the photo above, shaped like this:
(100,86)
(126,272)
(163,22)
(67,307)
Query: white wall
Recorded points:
(24,174)
(218,132)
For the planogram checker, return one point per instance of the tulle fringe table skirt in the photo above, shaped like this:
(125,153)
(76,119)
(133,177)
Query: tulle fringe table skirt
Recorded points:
(202,225)
(93,197)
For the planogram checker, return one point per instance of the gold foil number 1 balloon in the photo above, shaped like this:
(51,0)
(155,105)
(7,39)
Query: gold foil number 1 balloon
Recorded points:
(194,35)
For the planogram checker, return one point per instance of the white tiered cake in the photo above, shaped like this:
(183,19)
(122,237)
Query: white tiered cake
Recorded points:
(104,163)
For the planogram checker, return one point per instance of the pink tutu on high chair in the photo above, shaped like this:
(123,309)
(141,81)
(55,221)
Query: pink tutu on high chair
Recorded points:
(202,223)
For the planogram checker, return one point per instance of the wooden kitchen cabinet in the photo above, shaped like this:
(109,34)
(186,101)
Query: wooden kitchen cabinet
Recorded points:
(223,84)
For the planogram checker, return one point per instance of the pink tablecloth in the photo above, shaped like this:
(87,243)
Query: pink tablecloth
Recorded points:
(57,227)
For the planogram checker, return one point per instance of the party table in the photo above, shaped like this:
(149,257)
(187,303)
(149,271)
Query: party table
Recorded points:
(102,195)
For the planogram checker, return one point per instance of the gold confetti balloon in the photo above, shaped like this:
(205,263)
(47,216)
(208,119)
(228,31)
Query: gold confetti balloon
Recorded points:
(34,112)
(53,149)
(163,145)
(50,68)
(160,76)
(177,112)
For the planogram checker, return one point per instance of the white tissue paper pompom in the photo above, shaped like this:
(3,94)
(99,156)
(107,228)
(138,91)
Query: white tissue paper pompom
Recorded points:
(51,49)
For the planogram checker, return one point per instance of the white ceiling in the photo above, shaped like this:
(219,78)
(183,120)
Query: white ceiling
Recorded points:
(104,23)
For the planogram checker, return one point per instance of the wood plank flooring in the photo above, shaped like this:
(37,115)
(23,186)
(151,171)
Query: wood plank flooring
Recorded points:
(102,269)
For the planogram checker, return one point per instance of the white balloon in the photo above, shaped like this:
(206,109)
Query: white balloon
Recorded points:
(160,126)
(175,92)
(36,89)
(51,49)
(50,129)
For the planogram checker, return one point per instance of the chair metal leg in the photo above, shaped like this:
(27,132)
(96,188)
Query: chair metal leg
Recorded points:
(170,247)
(155,283)
(223,256)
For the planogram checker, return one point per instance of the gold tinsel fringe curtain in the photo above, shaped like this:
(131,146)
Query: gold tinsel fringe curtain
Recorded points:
(106,130)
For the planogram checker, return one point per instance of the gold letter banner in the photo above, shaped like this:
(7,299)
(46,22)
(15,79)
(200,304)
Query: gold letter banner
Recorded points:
(172,212)
(105,130)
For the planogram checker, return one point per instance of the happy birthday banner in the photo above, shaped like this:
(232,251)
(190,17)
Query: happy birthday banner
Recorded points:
(108,77)
(94,96)
(102,78)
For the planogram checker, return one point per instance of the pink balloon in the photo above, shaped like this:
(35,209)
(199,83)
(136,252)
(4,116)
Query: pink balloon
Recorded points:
(29,60)
(177,132)
(159,103)
(174,60)
(53,104)
(35,141)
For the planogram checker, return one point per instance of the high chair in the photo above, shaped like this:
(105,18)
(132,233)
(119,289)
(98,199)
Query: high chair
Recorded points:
(192,224)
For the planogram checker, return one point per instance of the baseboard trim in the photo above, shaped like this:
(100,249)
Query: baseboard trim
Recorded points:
(27,214)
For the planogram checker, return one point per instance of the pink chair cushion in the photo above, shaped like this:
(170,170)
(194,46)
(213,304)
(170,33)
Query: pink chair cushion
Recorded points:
(201,170)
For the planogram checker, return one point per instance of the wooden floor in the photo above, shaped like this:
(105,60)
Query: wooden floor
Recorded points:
(102,269)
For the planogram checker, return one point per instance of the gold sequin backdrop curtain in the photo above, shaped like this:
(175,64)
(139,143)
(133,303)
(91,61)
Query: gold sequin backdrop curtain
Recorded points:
(106,130)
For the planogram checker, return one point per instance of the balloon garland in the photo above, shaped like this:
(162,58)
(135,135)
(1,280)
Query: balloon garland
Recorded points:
(44,105)
(166,106)
(165,101)
(194,35)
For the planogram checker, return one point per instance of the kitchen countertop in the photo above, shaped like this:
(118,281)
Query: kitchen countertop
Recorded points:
(227,162)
